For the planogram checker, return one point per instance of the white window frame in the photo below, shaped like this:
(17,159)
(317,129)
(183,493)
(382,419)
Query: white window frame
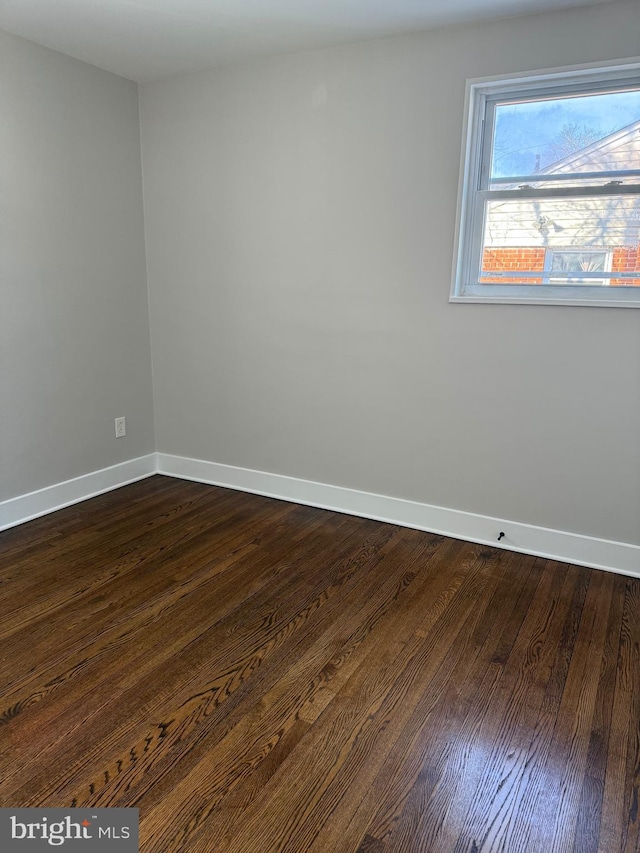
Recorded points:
(482,95)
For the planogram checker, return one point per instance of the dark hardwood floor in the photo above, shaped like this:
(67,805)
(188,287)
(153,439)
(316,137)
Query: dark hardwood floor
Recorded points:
(257,676)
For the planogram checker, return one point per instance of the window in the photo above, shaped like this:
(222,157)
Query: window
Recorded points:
(575,263)
(549,207)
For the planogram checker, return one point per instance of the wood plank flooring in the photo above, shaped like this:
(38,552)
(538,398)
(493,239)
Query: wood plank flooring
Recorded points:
(257,676)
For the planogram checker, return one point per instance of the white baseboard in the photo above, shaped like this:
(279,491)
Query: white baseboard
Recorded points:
(588,551)
(620,557)
(34,504)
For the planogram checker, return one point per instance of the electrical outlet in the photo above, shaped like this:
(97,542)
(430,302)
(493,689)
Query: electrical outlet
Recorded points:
(121,427)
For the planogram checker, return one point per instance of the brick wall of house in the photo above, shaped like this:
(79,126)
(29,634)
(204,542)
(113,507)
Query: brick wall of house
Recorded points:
(504,259)
(626,259)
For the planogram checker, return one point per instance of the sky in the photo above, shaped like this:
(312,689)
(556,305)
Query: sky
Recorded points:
(528,134)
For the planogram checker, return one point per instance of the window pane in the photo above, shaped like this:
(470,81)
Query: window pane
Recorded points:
(578,261)
(566,135)
(526,239)
(575,265)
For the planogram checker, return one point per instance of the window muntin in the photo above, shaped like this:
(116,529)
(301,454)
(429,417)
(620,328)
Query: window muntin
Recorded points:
(521,200)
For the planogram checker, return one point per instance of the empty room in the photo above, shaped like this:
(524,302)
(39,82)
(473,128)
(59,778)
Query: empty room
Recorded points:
(320,426)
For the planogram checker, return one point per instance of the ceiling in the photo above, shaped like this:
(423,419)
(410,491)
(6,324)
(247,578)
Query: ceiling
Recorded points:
(147,39)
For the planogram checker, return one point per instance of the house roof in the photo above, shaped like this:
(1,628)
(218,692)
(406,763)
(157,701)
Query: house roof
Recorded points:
(620,146)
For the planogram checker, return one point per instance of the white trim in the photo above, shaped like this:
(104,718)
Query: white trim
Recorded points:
(626,67)
(530,300)
(34,504)
(619,557)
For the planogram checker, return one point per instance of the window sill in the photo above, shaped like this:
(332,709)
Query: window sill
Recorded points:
(532,300)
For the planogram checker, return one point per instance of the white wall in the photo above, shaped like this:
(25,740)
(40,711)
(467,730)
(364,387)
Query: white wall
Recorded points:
(74,330)
(300,217)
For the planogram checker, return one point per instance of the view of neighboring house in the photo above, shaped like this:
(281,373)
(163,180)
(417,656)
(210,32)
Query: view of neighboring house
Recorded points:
(570,234)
